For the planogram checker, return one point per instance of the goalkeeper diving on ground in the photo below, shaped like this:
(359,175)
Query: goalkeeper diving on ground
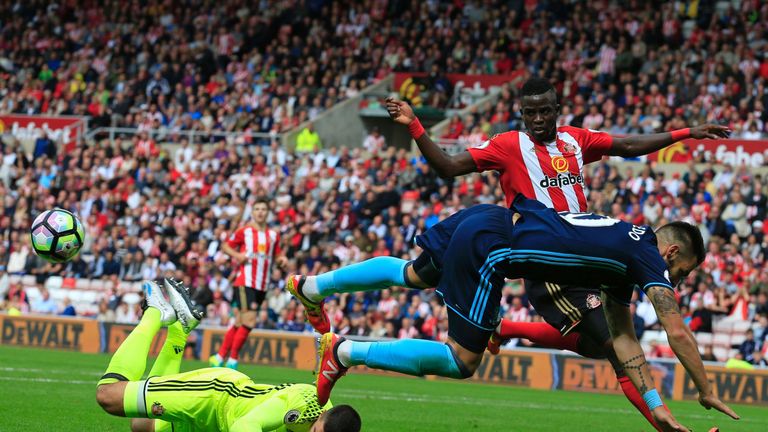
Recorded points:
(204,400)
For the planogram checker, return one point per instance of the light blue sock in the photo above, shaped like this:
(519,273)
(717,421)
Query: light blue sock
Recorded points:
(370,275)
(409,356)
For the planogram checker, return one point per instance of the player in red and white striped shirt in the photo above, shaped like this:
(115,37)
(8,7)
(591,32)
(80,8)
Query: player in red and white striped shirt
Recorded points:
(255,247)
(546,163)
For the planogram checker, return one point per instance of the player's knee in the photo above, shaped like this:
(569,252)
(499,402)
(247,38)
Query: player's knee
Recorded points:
(422,273)
(142,425)
(466,361)
(110,399)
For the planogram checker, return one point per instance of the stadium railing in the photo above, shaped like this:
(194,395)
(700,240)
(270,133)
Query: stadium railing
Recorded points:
(193,136)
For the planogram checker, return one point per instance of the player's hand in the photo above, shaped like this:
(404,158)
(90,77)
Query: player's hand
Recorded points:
(710,131)
(281,261)
(666,421)
(710,401)
(242,258)
(400,111)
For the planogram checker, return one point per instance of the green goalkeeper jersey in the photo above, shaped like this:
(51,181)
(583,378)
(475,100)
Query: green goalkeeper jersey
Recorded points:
(222,400)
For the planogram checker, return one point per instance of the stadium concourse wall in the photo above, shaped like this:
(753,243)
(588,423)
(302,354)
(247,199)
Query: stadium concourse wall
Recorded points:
(533,368)
(341,126)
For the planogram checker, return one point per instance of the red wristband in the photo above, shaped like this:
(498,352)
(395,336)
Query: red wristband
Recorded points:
(681,134)
(416,129)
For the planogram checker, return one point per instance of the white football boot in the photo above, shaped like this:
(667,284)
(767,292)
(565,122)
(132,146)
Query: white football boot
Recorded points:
(188,312)
(153,298)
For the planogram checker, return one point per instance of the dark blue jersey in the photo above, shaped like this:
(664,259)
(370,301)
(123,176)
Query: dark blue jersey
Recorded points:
(476,248)
(583,248)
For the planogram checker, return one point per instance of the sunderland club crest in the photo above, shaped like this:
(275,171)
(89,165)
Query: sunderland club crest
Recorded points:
(593,301)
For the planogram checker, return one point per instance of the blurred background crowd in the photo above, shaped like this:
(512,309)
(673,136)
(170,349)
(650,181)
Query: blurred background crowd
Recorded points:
(152,209)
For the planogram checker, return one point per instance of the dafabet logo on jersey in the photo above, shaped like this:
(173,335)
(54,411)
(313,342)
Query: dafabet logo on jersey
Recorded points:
(561,180)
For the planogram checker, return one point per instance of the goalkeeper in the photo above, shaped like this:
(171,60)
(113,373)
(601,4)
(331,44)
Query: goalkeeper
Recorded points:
(212,399)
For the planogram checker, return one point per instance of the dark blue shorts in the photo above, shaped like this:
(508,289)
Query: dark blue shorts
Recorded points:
(462,247)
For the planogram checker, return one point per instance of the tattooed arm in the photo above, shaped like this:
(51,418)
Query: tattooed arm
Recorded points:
(628,349)
(632,359)
(684,345)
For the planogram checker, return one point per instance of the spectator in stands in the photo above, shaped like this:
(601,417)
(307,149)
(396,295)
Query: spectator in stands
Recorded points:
(308,141)
(69,309)
(105,314)
(758,359)
(76,268)
(130,270)
(374,143)
(44,146)
(748,347)
(708,354)
(735,216)
(45,304)
(125,314)
(111,266)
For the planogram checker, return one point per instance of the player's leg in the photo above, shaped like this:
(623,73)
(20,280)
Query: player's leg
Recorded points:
(417,274)
(238,305)
(248,318)
(471,290)
(416,357)
(143,425)
(130,359)
(596,342)
(560,315)
(117,389)
(168,362)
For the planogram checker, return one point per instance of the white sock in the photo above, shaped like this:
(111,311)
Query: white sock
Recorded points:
(310,291)
(219,358)
(344,351)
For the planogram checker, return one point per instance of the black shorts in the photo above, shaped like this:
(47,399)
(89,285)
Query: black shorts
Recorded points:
(569,308)
(247,298)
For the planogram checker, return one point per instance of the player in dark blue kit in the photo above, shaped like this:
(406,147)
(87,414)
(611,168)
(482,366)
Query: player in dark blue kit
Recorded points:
(469,255)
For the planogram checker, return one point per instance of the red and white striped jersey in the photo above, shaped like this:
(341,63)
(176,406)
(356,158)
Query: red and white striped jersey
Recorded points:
(550,173)
(261,247)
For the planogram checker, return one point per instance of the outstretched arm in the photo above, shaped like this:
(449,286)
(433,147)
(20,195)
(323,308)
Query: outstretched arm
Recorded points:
(638,145)
(632,359)
(445,165)
(684,345)
(268,416)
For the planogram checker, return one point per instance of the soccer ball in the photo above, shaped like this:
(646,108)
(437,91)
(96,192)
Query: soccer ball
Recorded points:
(57,235)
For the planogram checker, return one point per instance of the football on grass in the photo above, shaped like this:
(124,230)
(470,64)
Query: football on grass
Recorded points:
(57,235)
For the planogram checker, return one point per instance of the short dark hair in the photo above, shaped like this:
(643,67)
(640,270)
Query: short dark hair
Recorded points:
(687,235)
(342,418)
(536,86)
(264,201)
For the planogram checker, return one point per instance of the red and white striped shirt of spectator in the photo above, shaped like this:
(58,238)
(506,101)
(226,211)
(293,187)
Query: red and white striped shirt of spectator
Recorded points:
(260,247)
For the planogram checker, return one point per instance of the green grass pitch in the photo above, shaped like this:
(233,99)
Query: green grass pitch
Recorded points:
(54,390)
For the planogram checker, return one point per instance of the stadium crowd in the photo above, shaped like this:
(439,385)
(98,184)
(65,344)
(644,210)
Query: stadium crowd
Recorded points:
(224,68)
(169,215)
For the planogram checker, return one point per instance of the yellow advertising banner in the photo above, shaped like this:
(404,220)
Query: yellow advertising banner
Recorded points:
(522,368)
(730,385)
(48,332)
(269,348)
(583,374)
